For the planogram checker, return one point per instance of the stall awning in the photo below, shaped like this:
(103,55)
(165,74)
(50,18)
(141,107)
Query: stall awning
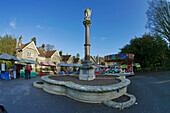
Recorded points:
(64,65)
(28,61)
(44,64)
(99,65)
(77,65)
(8,57)
(119,57)
(47,64)
(51,64)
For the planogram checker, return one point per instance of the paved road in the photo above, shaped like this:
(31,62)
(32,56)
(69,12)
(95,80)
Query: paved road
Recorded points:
(152,92)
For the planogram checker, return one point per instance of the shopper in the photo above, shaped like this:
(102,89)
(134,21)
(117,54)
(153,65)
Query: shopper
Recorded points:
(26,71)
(18,72)
(14,71)
(30,68)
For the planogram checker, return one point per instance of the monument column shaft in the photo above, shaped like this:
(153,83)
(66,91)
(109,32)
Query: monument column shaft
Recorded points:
(87,45)
(87,34)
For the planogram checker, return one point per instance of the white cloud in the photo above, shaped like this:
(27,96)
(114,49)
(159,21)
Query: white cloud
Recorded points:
(39,27)
(103,38)
(12,23)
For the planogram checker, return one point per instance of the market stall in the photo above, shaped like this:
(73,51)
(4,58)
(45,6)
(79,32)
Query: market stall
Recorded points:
(63,68)
(47,72)
(98,69)
(27,61)
(4,73)
(120,58)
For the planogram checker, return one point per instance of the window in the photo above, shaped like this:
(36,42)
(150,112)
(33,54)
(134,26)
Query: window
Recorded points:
(29,54)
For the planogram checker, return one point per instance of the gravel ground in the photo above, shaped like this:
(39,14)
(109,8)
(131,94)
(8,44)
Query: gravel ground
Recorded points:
(151,90)
(98,81)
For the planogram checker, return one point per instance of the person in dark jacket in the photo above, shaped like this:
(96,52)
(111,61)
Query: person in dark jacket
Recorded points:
(26,71)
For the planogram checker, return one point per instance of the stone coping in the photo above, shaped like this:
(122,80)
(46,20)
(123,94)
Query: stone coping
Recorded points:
(35,84)
(123,83)
(121,105)
(120,74)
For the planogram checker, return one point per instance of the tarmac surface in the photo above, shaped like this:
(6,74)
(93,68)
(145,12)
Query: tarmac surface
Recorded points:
(152,91)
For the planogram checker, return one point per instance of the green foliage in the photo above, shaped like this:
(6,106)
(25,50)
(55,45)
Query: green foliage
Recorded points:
(54,62)
(78,55)
(34,39)
(40,47)
(52,68)
(148,50)
(102,63)
(7,44)
(9,64)
(158,15)
(167,59)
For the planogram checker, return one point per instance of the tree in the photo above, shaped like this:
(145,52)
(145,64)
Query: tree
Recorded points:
(40,47)
(34,39)
(78,55)
(158,15)
(7,44)
(148,50)
(49,47)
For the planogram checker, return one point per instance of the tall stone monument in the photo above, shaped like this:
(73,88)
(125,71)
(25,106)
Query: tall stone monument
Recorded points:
(87,70)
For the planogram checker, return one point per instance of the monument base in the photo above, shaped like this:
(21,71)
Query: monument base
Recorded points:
(87,71)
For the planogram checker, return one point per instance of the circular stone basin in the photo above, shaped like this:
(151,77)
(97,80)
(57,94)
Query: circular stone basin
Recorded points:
(122,102)
(95,91)
(41,83)
(98,81)
(123,98)
(38,84)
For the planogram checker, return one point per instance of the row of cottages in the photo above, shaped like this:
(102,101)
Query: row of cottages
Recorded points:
(68,59)
(31,52)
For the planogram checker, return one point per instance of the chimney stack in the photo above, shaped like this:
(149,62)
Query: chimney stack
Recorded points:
(60,53)
(20,40)
(74,57)
(43,47)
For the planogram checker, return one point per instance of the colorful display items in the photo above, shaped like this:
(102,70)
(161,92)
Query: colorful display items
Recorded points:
(119,57)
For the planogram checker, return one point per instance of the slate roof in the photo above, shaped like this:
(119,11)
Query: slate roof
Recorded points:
(50,53)
(65,57)
(75,60)
(46,53)
(23,45)
(42,53)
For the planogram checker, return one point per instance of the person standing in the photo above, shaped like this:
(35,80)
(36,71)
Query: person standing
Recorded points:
(26,71)
(18,72)
(14,71)
(30,68)
(65,70)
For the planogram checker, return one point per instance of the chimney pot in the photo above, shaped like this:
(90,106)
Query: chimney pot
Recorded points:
(43,46)
(60,53)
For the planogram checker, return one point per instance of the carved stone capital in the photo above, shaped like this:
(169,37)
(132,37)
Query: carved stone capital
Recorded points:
(86,44)
(87,22)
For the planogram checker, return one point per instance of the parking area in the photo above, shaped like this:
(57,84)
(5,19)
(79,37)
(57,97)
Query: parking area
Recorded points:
(152,91)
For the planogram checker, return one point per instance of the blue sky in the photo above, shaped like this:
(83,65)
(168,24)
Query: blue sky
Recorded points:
(60,23)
